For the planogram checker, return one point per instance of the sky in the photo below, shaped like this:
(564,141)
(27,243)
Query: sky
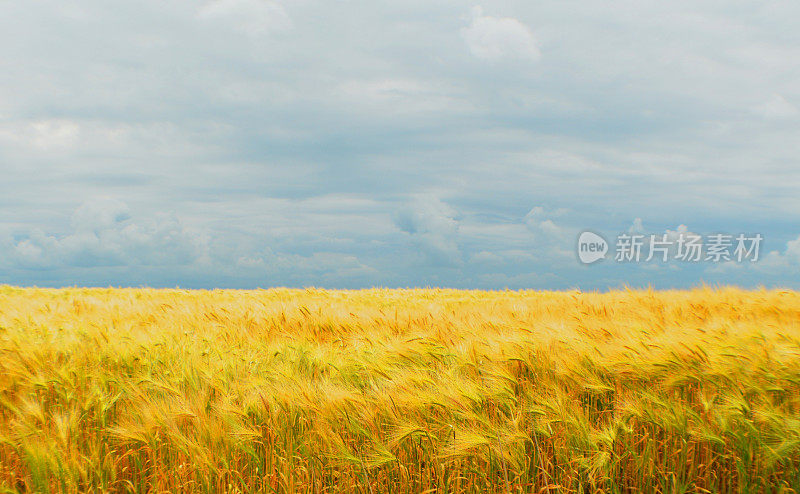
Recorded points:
(350,144)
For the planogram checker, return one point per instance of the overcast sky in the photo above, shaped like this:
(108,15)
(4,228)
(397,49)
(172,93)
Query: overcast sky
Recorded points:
(343,144)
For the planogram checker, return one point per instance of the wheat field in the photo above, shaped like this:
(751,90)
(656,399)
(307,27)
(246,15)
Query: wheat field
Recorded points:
(375,391)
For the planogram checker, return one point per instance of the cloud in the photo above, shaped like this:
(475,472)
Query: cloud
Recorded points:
(793,250)
(100,214)
(788,260)
(496,38)
(253,17)
(781,266)
(53,133)
(552,242)
(776,107)
(107,236)
(433,227)
(538,221)
(104,234)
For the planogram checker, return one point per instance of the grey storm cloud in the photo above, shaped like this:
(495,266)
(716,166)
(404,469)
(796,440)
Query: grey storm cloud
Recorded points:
(359,143)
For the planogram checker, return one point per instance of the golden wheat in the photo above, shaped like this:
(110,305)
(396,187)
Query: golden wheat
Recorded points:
(139,390)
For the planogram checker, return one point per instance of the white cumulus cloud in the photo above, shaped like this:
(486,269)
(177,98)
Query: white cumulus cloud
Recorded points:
(495,38)
(104,234)
(434,227)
